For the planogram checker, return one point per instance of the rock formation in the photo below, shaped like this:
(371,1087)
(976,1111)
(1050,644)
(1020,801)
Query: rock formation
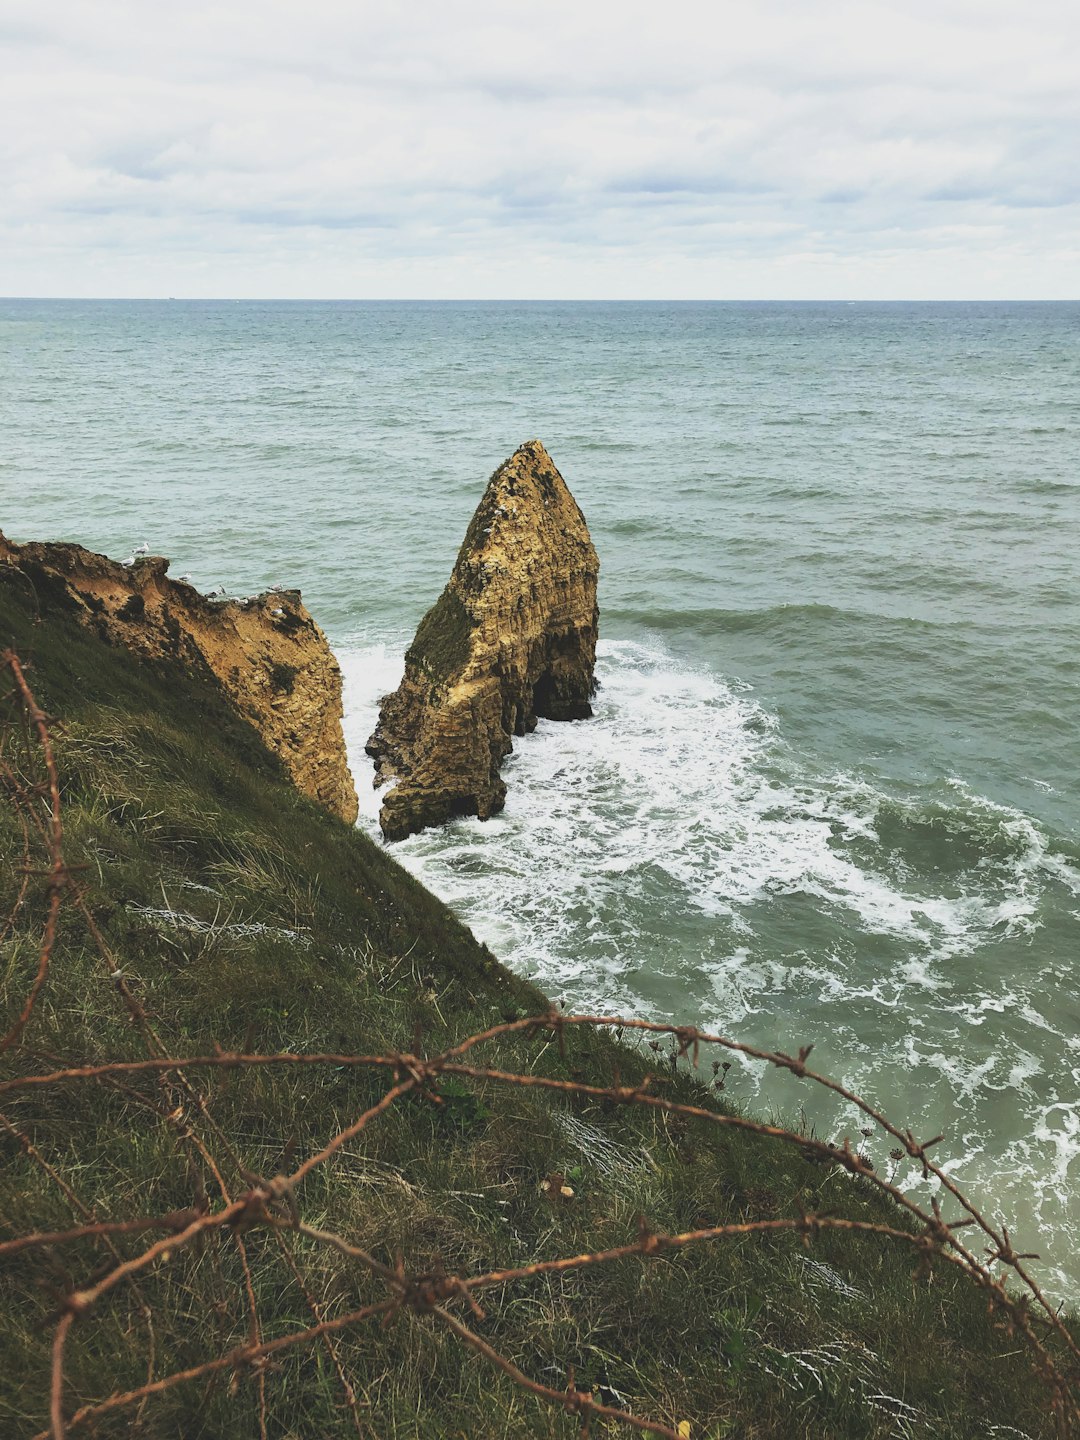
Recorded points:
(267,654)
(511,639)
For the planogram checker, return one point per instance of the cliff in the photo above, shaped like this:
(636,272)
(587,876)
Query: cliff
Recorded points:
(266,654)
(511,639)
(219,912)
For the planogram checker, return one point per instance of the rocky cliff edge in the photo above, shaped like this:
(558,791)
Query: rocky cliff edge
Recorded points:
(266,653)
(511,639)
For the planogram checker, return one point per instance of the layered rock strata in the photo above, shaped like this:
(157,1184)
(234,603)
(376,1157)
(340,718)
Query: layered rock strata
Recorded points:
(511,639)
(266,653)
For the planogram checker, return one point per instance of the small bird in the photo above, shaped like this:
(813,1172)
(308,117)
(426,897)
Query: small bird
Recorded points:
(276,589)
(184,579)
(216,593)
(143,549)
(128,562)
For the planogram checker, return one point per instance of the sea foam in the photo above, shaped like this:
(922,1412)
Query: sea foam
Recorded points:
(680,796)
(675,858)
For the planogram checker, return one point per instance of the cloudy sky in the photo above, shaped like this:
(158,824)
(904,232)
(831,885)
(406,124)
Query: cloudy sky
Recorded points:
(574,148)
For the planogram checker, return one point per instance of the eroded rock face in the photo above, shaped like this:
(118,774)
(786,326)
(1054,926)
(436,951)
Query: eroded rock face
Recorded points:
(511,639)
(267,654)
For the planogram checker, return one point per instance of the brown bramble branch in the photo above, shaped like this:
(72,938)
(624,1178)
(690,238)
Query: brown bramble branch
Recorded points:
(272,1204)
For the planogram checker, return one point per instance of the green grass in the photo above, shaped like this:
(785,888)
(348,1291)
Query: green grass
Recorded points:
(243,915)
(441,645)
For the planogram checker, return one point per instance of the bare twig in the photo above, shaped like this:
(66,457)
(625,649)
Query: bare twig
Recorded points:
(272,1204)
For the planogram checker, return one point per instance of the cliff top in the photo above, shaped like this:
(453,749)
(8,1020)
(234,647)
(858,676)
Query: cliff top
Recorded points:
(266,653)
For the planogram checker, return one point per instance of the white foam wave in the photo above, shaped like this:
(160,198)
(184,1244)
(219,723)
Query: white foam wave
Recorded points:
(674,858)
(678,798)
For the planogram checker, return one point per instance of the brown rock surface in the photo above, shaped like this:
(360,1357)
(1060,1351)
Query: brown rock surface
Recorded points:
(267,654)
(512,638)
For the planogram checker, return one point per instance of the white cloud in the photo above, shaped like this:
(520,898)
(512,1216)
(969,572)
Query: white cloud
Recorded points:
(789,148)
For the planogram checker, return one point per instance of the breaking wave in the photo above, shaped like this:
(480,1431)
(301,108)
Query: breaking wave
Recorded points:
(675,858)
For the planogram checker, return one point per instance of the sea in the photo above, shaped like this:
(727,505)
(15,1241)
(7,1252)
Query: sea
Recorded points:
(831,791)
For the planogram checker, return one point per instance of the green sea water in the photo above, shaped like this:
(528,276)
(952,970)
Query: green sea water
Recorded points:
(830,794)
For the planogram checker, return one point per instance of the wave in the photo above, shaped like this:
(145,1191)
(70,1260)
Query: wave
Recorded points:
(962,832)
(681,796)
(1040,485)
(675,858)
(775,620)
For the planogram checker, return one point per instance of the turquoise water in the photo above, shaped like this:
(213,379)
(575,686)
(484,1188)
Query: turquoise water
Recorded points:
(830,794)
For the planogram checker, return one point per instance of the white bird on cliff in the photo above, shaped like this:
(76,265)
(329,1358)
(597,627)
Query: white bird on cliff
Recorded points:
(128,562)
(184,579)
(143,549)
(216,593)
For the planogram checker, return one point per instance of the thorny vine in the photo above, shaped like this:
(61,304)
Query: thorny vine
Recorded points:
(273,1204)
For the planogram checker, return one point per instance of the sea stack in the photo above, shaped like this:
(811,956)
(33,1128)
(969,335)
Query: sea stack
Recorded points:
(512,639)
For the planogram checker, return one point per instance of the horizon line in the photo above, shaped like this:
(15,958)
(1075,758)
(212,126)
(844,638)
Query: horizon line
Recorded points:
(550,299)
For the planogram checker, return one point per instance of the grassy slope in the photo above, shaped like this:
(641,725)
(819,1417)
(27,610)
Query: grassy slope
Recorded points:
(176,807)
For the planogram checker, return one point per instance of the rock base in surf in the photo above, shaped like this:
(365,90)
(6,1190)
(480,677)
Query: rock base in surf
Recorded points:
(511,639)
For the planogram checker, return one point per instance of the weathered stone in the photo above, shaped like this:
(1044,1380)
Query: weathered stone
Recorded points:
(511,639)
(267,654)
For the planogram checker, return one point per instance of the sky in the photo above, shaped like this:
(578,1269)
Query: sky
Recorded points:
(765,149)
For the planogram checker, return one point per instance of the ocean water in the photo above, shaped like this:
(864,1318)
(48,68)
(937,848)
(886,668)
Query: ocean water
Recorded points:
(831,792)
